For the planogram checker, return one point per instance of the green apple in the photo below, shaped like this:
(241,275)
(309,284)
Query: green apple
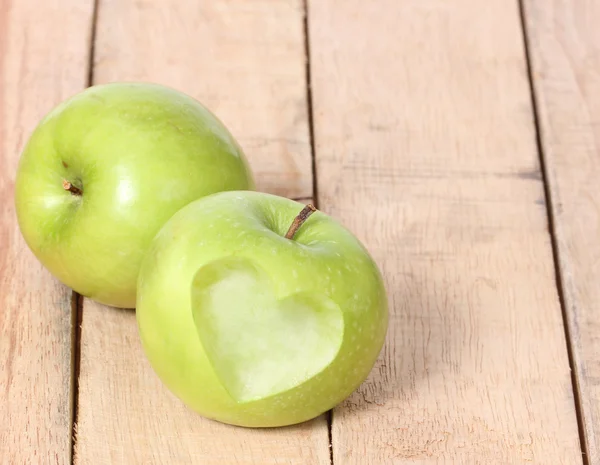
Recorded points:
(106,169)
(253,323)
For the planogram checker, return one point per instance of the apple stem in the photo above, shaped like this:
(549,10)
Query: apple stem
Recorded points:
(299,220)
(71,188)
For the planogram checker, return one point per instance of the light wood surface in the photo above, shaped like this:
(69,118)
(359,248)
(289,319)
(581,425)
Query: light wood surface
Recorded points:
(43,59)
(425,147)
(246,61)
(565,56)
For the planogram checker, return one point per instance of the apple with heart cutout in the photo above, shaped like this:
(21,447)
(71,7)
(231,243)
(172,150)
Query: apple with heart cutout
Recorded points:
(256,313)
(106,169)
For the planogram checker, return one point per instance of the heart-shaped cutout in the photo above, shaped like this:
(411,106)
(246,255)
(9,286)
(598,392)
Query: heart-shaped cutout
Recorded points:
(258,345)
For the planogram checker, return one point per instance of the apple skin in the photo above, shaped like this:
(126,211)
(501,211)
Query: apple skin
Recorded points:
(139,152)
(323,260)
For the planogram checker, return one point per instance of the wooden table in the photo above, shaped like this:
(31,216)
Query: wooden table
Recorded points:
(460,140)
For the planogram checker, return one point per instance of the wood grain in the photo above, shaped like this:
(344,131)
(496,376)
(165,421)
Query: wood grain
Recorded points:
(43,60)
(425,148)
(245,60)
(565,59)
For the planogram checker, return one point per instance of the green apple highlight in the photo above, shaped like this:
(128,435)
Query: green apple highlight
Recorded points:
(253,328)
(106,169)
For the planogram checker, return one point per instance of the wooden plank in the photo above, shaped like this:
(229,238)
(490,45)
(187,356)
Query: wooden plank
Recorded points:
(246,61)
(43,60)
(425,148)
(565,57)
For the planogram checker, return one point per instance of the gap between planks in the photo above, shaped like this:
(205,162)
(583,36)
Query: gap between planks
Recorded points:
(77,318)
(77,299)
(313,157)
(311,127)
(553,240)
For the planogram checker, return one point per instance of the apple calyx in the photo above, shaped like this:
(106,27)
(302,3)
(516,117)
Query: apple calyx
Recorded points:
(71,188)
(299,220)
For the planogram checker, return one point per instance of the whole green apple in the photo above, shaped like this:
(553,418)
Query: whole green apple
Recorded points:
(106,169)
(253,322)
